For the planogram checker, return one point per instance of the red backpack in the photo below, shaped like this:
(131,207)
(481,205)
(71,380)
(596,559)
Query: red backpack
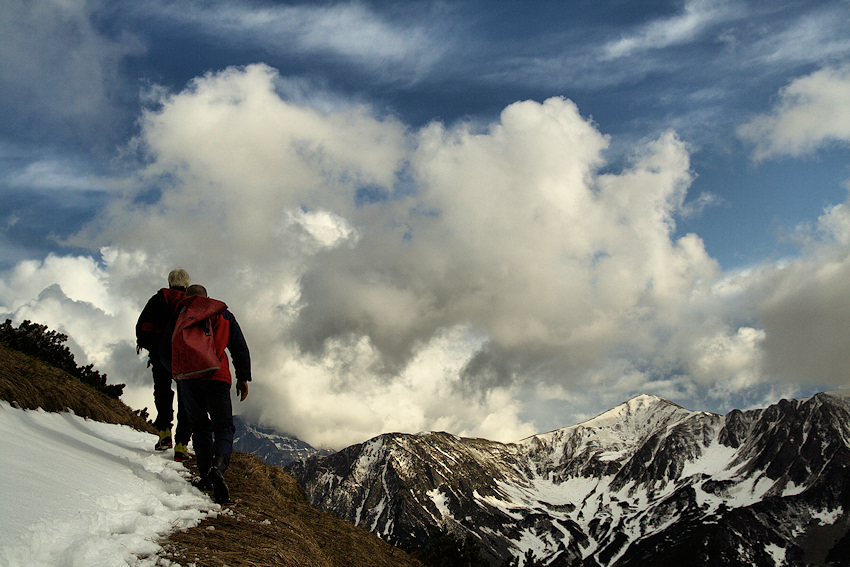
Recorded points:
(193,352)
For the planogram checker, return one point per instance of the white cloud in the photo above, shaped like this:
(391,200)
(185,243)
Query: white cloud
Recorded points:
(801,303)
(75,296)
(730,357)
(696,207)
(55,174)
(350,29)
(816,36)
(509,287)
(79,277)
(327,229)
(398,50)
(812,111)
(682,28)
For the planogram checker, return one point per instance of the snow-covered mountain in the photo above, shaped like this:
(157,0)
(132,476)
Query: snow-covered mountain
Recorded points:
(646,483)
(272,447)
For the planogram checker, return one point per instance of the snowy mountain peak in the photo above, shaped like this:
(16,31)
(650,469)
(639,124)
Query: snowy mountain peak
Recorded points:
(636,414)
(605,443)
(641,410)
(645,482)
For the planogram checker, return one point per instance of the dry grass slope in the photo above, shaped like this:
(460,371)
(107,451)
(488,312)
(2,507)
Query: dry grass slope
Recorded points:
(268,522)
(31,383)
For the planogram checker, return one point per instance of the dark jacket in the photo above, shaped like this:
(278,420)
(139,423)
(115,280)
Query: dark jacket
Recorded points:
(154,318)
(226,333)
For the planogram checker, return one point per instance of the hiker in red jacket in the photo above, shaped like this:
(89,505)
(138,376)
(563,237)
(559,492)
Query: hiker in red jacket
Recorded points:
(149,331)
(203,329)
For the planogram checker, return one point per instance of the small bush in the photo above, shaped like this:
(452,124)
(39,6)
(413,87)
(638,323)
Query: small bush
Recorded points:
(36,340)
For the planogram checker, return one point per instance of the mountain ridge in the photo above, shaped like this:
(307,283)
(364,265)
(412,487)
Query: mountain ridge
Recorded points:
(621,488)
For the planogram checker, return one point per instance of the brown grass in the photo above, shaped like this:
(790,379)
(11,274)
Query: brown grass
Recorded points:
(269,520)
(30,383)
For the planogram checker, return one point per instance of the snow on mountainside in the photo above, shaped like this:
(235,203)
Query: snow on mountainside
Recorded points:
(646,482)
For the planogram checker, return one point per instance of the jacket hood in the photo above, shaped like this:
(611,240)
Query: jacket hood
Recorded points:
(172,296)
(202,307)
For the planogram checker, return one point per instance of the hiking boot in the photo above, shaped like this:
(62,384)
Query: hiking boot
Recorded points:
(221,494)
(164,440)
(181,452)
(201,483)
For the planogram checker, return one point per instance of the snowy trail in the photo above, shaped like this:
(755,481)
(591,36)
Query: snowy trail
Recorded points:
(80,492)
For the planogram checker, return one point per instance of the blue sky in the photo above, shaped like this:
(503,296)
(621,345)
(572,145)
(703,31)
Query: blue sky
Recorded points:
(535,209)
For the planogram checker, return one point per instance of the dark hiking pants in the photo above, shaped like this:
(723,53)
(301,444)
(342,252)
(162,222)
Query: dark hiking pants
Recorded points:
(163,399)
(211,416)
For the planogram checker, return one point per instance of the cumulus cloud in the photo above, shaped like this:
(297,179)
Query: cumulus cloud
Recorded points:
(488,281)
(811,111)
(93,304)
(806,307)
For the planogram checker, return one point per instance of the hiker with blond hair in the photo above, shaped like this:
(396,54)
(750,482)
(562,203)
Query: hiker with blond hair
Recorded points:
(150,328)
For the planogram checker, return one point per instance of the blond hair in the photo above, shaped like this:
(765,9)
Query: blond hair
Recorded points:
(179,279)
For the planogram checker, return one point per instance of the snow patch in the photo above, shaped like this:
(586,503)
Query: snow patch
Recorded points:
(371,454)
(828,517)
(439,499)
(714,459)
(81,492)
(777,553)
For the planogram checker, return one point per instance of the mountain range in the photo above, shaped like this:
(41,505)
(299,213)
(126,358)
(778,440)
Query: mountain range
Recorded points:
(645,483)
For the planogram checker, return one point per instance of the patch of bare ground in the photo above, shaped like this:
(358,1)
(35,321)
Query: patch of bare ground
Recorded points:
(269,521)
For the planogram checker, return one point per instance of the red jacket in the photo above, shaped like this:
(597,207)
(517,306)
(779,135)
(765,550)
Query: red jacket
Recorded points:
(226,334)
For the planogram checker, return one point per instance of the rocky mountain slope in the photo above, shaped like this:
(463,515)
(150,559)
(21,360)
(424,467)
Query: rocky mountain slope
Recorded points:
(271,446)
(647,482)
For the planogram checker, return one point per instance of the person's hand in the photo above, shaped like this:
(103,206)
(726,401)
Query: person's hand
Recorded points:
(242,390)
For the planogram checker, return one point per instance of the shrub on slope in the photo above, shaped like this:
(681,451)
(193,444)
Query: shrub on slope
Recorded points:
(30,383)
(36,340)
